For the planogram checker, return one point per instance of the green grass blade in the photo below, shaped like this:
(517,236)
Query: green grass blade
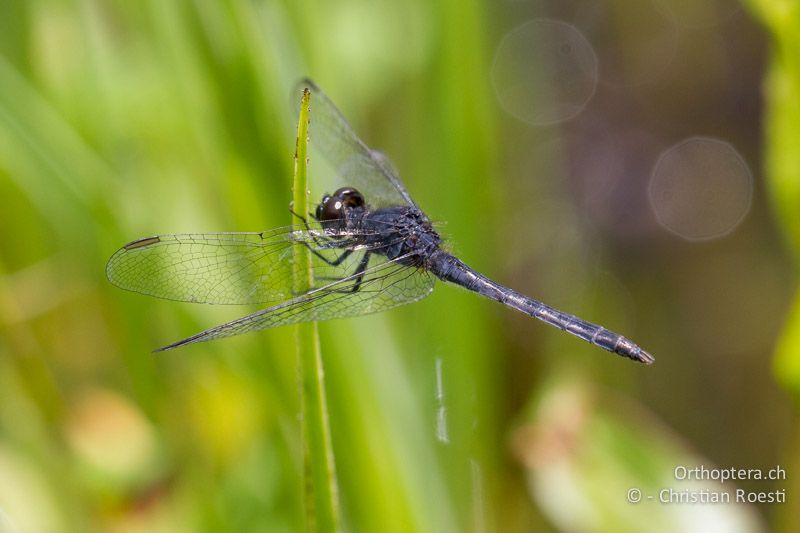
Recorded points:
(321,495)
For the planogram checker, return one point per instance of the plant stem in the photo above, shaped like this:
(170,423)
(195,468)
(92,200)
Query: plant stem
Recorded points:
(321,489)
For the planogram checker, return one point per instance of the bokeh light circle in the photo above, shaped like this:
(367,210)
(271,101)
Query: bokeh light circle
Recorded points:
(544,72)
(700,189)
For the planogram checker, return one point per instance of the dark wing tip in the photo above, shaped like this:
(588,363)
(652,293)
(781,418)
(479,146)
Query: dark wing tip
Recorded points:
(197,337)
(142,243)
(171,346)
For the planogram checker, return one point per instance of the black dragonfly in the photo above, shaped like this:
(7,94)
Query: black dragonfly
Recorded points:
(371,252)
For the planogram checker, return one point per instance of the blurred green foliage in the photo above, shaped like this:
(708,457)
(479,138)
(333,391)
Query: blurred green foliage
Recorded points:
(782,158)
(782,88)
(125,119)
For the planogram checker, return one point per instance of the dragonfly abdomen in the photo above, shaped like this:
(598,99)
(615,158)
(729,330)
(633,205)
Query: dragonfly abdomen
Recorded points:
(449,268)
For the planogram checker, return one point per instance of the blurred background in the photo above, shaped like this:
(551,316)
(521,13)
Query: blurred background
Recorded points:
(634,162)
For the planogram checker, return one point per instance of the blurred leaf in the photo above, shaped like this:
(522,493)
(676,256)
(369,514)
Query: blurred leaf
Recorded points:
(783,113)
(782,88)
(586,450)
(782,156)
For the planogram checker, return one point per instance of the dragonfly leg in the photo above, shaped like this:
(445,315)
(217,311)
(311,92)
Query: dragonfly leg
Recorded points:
(305,223)
(320,242)
(301,217)
(344,255)
(359,273)
(332,262)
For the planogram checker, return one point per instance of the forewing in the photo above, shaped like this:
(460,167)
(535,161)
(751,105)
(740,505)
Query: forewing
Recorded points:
(367,170)
(385,284)
(230,268)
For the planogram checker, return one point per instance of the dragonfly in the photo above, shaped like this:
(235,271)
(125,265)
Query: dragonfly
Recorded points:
(372,249)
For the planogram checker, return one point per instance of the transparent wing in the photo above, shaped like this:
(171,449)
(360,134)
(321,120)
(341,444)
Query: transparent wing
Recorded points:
(232,268)
(385,284)
(367,170)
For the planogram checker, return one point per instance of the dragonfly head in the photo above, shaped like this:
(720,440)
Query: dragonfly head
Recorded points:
(332,207)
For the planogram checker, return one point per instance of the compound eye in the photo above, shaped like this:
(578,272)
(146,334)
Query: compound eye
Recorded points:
(331,208)
(350,197)
(320,207)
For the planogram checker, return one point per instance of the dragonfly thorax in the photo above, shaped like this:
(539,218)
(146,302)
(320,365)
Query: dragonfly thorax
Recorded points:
(403,231)
(395,232)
